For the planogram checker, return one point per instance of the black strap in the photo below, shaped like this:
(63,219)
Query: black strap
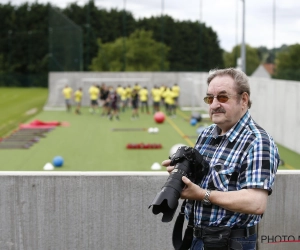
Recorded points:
(186,243)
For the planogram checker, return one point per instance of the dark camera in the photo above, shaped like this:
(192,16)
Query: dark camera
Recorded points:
(187,162)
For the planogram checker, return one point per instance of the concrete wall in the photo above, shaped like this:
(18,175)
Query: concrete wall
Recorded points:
(193,85)
(109,211)
(275,106)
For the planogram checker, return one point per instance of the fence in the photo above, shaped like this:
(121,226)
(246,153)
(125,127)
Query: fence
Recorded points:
(65,43)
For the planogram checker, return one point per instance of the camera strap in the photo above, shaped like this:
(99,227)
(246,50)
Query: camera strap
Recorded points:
(186,242)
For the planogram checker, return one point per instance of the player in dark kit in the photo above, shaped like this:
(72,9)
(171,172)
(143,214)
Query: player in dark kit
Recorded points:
(114,104)
(135,104)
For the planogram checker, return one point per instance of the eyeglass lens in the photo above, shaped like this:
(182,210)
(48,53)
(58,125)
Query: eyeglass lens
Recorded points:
(220,98)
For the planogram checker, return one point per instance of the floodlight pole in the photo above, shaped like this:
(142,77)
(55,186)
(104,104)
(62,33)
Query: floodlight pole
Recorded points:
(243,46)
(201,11)
(274,29)
(162,68)
(200,35)
(88,26)
(124,36)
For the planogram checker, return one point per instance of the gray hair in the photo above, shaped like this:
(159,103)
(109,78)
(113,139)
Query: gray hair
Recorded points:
(239,77)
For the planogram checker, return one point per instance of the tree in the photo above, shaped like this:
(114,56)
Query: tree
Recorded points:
(287,63)
(142,53)
(26,41)
(193,46)
(268,55)
(99,23)
(24,44)
(252,58)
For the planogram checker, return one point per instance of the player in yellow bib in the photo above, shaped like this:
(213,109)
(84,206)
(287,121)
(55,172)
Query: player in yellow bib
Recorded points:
(124,99)
(176,91)
(94,94)
(143,94)
(78,98)
(120,89)
(128,90)
(137,87)
(169,96)
(156,98)
(67,93)
(162,91)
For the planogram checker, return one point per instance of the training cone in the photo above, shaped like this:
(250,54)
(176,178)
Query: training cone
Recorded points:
(155,166)
(48,166)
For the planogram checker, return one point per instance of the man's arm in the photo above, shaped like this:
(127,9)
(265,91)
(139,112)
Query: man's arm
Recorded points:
(247,201)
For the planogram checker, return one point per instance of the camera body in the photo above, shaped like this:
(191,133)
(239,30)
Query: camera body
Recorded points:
(188,162)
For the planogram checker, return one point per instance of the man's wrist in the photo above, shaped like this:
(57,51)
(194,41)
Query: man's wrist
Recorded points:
(206,200)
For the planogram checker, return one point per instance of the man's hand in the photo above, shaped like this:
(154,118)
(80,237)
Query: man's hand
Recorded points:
(191,191)
(166,163)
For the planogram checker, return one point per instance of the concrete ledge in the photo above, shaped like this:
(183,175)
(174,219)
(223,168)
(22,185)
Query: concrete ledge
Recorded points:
(82,173)
(109,211)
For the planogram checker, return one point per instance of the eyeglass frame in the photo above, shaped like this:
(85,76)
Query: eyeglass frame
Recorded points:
(217,97)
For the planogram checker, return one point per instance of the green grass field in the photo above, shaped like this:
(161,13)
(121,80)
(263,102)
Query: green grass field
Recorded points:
(89,143)
(17,105)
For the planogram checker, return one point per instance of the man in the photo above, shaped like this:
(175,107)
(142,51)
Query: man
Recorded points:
(94,95)
(114,104)
(101,94)
(137,87)
(156,98)
(243,161)
(169,99)
(176,90)
(143,94)
(122,97)
(67,93)
(120,90)
(104,93)
(134,104)
(162,91)
(128,90)
(78,98)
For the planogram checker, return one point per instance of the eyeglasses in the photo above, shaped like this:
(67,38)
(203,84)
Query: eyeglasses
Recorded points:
(221,98)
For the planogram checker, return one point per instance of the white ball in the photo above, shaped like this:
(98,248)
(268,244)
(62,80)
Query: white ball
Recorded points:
(175,147)
(150,130)
(155,130)
(155,166)
(48,166)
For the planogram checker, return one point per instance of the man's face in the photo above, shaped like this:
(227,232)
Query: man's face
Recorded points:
(227,114)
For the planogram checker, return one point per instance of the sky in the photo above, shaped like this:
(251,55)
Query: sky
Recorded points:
(269,23)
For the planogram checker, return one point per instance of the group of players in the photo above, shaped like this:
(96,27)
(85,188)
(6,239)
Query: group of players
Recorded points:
(115,100)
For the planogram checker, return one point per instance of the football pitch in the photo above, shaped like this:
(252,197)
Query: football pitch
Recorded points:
(91,142)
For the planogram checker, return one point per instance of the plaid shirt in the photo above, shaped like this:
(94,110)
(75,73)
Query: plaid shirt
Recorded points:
(245,157)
